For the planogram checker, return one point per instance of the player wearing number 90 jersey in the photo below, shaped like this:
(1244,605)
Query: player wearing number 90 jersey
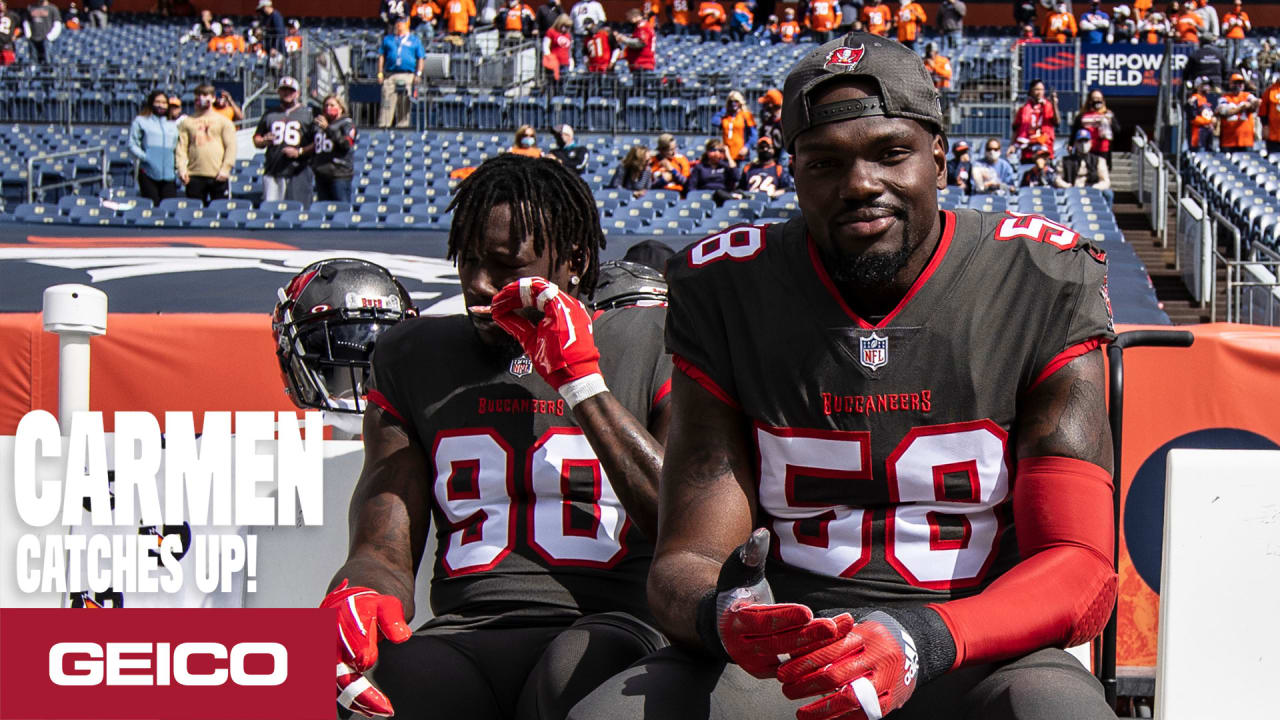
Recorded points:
(528,432)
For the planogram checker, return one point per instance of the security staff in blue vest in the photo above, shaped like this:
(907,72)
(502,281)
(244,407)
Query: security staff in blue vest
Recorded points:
(401,58)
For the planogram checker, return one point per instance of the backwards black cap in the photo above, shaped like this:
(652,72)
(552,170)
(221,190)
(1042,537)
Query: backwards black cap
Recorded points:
(905,89)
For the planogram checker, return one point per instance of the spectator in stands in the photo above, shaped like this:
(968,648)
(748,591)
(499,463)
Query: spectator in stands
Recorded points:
(1060,25)
(1099,121)
(938,65)
(153,137)
(1237,110)
(1123,27)
(253,39)
(909,20)
(10,27)
(459,17)
(1140,9)
(175,108)
(285,173)
(72,19)
(1236,25)
(766,175)
(637,41)
(423,17)
(558,45)
(332,150)
(680,18)
(547,14)
(789,29)
(715,171)
(951,23)
(670,168)
(1210,28)
(227,107)
(1024,13)
(206,149)
(1208,62)
(1095,24)
(737,127)
(391,12)
(205,29)
(771,119)
(1200,117)
(740,22)
(526,142)
(602,52)
(769,32)
(991,173)
(42,27)
(293,37)
(97,12)
(824,17)
(1186,23)
(273,29)
(568,151)
(581,10)
(711,17)
(1036,121)
(515,21)
(1153,27)
(876,18)
(400,63)
(1041,173)
(227,41)
(1269,109)
(1081,168)
(960,167)
(1028,36)
(633,172)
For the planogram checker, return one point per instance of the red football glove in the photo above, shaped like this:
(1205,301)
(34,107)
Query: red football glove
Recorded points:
(361,614)
(869,671)
(561,345)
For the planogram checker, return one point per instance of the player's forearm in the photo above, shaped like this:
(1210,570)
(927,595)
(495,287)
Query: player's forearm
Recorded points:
(630,456)
(677,582)
(365,569)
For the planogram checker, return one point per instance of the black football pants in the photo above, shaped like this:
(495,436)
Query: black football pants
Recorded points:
(524,673)
(673,684)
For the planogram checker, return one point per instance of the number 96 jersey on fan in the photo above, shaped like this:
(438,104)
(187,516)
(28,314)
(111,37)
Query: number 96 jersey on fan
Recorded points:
(884,449)
(526,522)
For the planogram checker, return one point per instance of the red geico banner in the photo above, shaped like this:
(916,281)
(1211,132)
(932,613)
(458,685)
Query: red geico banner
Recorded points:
(193,664)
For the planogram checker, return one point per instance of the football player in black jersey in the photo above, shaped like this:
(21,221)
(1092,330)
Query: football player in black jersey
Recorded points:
(907,405)
(535,459)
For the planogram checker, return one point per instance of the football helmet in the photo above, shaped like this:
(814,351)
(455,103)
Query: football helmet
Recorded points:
(623,283)
(325,325)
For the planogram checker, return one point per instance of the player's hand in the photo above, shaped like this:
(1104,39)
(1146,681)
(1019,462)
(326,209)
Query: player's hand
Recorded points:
(363,614)
(867,672)
(753,631)
(561,345)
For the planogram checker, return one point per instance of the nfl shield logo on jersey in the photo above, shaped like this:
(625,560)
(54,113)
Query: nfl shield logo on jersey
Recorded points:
(521,366)
(843,59)
(873,351)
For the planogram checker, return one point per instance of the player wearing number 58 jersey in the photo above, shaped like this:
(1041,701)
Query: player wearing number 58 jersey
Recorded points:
(528,433)
(906,404)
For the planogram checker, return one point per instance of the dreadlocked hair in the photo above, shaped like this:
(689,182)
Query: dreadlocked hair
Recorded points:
(548,202)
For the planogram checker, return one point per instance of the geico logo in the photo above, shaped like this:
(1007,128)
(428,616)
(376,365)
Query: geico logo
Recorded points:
(92,663)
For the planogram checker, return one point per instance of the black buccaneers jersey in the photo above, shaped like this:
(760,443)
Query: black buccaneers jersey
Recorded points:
(527,525)
(885,462)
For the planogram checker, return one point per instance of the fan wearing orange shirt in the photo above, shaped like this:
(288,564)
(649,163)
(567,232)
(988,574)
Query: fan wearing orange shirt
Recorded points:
(824,18)
(1271,116)
(1187,24)
(789,30)
(711,17)
(293,41)
(424,15)
(910,19)
(877,19)
(679,17)
(459,16)
(1141,8)
(1060,25)
(228,42)
(938,65)
(1238,109)
(1235,24)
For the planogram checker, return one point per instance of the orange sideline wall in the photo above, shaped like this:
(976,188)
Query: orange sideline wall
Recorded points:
(153,363)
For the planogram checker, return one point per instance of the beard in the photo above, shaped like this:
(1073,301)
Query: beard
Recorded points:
(869,271)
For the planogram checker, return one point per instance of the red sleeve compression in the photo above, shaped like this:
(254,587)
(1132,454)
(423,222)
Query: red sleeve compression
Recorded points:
(1062,592)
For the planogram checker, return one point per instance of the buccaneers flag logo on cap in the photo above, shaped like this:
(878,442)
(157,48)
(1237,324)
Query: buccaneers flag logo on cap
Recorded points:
(843,59)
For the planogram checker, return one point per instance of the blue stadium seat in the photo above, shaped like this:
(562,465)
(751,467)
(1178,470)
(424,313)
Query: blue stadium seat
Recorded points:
(141,215)
(673,114)
(172,205)
(223,206)
(329,208)
(265,222)
(208,221)
(567,110)
(642,114)
(37,213)
(354,221)
(488,111)
(528,111)
(405,220)
(277,207)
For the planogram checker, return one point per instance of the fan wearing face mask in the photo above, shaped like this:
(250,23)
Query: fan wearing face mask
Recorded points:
(206,149)
(1060,25)
(992,174)
(1099,121)
(526,142)
(1081,168)
(333,141)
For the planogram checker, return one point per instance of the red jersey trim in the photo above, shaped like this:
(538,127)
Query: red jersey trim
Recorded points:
(381,401)
(663,391)
(944,243)
(1064,357)
(693,373)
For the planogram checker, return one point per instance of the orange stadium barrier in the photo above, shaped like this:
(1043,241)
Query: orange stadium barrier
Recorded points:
(1221,392)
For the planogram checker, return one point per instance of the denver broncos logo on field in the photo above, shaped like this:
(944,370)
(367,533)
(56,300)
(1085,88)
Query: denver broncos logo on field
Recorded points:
(843,59)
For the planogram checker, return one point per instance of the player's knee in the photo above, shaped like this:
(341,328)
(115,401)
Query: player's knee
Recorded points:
(1048,684)
(584,656)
